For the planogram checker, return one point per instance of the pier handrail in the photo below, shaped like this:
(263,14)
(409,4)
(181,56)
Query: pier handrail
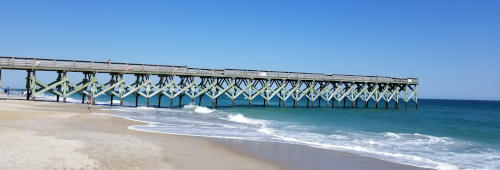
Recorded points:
(26,63)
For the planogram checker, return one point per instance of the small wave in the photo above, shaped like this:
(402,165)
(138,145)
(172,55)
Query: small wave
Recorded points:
(427,139)
(145,108)
(49,97)
(402,158)
(265,130)
(242,119)
(107,102)
(339,137)
(199,109)
(392,135)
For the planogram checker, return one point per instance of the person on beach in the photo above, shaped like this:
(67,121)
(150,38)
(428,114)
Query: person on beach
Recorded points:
(89,103)
(5,91)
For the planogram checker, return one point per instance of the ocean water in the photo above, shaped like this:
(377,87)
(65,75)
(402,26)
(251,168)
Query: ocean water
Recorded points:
(441,134)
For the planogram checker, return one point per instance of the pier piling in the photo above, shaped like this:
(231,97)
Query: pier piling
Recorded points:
(159,100)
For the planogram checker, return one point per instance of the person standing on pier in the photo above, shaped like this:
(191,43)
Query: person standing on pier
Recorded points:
(108,62)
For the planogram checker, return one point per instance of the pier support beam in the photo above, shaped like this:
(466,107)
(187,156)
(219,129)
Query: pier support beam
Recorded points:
(159,100)
(59,86)
(216,85)
(32,85)
(180,100)
(136,100)
(28,82)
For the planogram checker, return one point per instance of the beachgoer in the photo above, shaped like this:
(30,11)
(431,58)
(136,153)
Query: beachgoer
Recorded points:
(89,103)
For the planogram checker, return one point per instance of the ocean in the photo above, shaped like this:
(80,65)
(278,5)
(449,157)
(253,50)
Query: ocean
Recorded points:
(441,134)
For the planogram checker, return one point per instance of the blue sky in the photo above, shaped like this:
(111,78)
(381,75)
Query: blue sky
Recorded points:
(452,46)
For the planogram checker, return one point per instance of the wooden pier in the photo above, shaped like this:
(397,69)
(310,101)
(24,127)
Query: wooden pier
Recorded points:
(180,81)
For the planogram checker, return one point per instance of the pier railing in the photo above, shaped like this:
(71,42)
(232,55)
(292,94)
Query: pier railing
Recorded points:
(132,68)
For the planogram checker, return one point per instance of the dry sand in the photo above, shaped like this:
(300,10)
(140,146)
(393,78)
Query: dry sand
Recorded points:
(48,135)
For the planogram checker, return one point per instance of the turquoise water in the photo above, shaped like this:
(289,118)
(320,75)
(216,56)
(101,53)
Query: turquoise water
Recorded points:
(442,134)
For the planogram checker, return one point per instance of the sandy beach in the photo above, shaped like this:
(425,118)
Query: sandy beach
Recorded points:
(49,135)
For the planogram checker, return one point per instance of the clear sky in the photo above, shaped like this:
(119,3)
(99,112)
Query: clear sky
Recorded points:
(453,46)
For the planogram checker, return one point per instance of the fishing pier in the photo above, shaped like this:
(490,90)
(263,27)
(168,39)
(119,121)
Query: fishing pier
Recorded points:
(176,82)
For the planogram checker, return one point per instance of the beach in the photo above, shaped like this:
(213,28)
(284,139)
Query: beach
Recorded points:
(50,135)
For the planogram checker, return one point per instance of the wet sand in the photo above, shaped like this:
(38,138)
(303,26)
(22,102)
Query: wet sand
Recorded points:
(49,135)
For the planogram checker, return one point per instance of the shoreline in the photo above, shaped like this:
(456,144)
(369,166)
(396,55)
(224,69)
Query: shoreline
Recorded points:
(211,153)
(329,157)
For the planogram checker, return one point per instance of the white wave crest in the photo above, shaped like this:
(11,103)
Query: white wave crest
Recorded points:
(392,135)
(198,109)
(427,139)
(339,137)
(265,130)
(242,119)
